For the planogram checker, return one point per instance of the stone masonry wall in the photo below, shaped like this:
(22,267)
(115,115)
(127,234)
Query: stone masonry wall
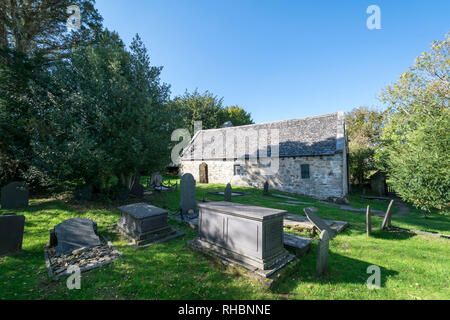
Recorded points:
(327,175)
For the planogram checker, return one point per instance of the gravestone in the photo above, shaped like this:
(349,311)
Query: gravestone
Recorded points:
(187,187)
(11,233)
(73,234)
(322,252)
(266,188)
(387,217)
(228,192)
(144,224)
(156,180)
(319,223)
(15,195)
(368,222)
(203,173)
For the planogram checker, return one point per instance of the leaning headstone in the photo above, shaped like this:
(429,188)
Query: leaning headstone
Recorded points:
(11,233)
(266,188)
(319,223)
(368,222)
(387,217)
(228,193)
(187,187)
(15,195)
(322,252)
(73,234)
(156,180)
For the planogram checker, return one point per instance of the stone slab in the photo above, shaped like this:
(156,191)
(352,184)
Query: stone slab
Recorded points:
(142,210)
(242,210)
(187,189)
(11,233)
(319,223)
(298,222)
(74,234)
(267,277)
(300,245)
(151,238)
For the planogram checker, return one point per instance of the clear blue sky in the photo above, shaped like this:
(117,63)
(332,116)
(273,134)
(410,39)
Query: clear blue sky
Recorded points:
(281,59)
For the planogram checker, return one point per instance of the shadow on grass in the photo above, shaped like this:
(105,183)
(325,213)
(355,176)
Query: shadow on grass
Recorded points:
(392,235)
(341,270)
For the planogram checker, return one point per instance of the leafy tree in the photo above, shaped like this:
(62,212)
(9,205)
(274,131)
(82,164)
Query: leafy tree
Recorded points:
(363,129)
(208,108)
(416,137)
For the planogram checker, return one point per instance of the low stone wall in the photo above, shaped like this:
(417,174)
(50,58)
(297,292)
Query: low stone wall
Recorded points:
(327,175)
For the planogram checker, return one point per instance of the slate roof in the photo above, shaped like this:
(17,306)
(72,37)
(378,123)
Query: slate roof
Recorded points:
(314,136)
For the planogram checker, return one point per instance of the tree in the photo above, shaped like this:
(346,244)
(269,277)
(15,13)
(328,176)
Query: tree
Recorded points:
(363,129)
(208,108)
(416,137)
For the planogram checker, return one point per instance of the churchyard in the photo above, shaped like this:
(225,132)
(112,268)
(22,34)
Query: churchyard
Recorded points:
(413,266)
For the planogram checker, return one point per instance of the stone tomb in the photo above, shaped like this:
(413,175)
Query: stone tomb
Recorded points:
(145,224)
(15,195)
(11,233)
(249,236)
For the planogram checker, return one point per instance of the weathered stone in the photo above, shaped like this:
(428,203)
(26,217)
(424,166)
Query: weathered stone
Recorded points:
(319,223)
(144,224)
(387,217)
(322,252)
(74,234)
(156,180)
(15,195)
(11,233)
(228,192)
(300,245)
(368,222)
(248,234)
(187,187)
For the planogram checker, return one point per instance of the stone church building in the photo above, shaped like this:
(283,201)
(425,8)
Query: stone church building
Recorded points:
(312,161)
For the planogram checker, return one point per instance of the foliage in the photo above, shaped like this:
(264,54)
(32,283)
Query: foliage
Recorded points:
(363,129)
(416,137)
(208,109)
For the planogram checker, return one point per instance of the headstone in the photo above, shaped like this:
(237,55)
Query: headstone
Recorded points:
(368,222)
(266,188)
(228,192)
(322,252)
(203,173)
(74,234)
(11,233)
(387,217)
(187,187)
(319,223)
(145,224)
(15,195)
(156,180)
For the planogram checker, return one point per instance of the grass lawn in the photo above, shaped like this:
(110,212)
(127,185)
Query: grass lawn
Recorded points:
(412,266)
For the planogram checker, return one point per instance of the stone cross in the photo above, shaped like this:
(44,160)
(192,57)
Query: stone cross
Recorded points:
(187,187)
(368,222)
(228,192)
(15,195)
(319,223)
(322,252)
(387,217)
(266,188)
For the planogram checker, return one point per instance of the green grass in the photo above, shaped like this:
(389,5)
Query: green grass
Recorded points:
(412,266)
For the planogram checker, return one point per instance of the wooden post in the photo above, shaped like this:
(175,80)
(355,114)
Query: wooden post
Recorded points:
(368,222)
(387,217)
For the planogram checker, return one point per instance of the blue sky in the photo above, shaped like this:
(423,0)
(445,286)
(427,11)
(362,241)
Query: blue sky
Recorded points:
(280,59)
